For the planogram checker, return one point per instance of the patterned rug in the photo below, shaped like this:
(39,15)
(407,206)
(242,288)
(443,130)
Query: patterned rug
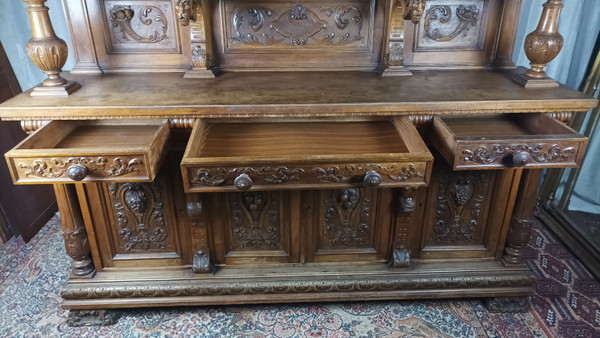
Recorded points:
(566,305)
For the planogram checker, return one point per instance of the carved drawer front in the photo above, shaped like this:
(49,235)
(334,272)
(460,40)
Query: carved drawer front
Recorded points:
(304,155)
(90,151)
(505,141)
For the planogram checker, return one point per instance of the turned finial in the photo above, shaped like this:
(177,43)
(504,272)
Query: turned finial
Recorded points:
(48,52)
(542,46)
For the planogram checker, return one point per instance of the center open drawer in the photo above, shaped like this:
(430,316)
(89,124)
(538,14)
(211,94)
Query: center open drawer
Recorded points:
(304,155)
(90,151)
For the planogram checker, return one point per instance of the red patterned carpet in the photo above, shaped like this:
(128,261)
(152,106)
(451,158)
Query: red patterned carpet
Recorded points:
(566,304)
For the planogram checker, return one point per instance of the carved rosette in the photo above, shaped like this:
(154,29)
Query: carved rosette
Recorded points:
(139,213)
(347,219)
(545,43)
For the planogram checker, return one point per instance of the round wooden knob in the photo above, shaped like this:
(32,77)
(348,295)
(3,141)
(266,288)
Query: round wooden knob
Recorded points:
(243,182)
(521,158)
(372,179)
(77,172)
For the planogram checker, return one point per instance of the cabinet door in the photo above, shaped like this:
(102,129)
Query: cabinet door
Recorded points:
(346,225)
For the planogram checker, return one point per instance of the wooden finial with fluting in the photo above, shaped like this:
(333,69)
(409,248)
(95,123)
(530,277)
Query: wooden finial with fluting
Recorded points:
(48,52)
(542,46)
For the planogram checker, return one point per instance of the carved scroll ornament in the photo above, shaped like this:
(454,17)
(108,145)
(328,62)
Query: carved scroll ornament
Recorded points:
(489,154)
(58,167)
(218,176)
(468,16)
(344,174)
(121,17)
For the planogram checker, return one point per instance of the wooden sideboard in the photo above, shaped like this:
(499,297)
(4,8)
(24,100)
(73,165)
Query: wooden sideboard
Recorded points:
(225,152)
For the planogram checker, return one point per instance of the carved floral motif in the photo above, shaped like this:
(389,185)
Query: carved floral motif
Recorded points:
(255,220)
(345,174)
(138,210)
(218,176)
(297,25)
(347,219)
(121,17)
(489,154)
(468,16)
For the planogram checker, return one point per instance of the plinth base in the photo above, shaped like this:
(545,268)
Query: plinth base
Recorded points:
(530,82)
(393,71)
(64,90)
(201,73)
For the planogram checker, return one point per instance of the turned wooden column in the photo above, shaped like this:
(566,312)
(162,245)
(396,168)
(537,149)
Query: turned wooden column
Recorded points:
(76,242)
(196,210)
(522,220)
(542,46)
(48,52)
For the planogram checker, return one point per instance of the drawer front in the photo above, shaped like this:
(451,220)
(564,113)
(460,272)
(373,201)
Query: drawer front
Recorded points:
(507,141)
(90,151)
(333,175)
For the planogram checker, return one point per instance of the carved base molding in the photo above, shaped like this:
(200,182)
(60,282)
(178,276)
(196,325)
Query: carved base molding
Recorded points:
(64,90)
(79,318)
(507,304)
(306,284)
(530,82)
(393,71)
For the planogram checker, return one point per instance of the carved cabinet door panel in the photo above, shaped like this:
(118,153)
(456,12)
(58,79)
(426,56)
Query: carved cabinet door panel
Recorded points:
(253,227)
(466,211)
(346,225)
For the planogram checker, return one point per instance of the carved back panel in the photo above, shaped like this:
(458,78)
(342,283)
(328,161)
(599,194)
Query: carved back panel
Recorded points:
(279,34)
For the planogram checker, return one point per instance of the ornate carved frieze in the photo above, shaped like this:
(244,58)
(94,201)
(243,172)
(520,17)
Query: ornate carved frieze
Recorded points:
(255,219)
(339,174)
(138,210)
(269,175)
(276,24)
(451,24)
(142,27)
(313,285)
(347,219)
(98,167)
(461,200)
(497,153)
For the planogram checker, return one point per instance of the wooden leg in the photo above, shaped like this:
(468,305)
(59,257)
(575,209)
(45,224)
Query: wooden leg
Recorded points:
(79,318)
(522,221)
(76,241)
(406,205)
(197,214)
(507,304)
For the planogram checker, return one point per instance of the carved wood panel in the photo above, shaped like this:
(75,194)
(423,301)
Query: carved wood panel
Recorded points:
(139,215)
(452,25)
(347,221)
(140,26)
(459,207)
(290,27)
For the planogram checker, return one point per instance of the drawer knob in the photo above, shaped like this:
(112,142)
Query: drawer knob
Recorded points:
(77,172)
(521,158)
(372,179)
(243,182)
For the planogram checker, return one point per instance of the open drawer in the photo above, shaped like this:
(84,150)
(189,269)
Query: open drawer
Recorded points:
(507,140)
(71,151)
(304,155)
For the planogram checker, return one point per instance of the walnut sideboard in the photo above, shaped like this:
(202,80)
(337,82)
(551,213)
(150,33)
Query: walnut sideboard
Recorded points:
(225,152)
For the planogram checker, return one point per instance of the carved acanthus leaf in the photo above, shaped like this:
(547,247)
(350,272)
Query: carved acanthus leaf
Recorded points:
(468,16)
(344,174)
(489,154)
(218,176)
(121,17)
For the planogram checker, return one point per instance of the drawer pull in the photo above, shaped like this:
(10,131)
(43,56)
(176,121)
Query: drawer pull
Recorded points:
(243,182)
(521,158)
(372,179)
(77,172)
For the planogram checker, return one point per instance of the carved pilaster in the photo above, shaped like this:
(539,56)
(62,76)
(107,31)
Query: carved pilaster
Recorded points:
(77,244)
(542,46)
(48,52)
(400,10)
(198,17)
(522,222)
(79,318)
(196,210)
(406,206)
(507,304)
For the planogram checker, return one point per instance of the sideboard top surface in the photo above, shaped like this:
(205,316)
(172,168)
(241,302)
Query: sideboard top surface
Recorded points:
(294,94)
